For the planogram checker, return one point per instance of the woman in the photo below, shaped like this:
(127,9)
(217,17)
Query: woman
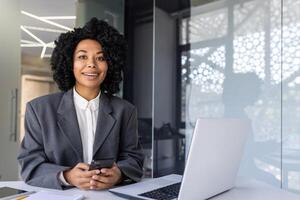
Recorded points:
(65,131)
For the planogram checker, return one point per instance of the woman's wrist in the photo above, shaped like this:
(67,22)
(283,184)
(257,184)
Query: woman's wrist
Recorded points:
(67,176)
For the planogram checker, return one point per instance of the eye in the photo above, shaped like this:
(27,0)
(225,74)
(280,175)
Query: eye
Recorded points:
(82,57)
(100,58)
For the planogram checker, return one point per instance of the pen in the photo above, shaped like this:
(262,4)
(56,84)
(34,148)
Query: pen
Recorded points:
(25,195)
(21,197)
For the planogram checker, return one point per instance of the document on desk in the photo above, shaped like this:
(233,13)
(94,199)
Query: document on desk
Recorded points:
(46,195)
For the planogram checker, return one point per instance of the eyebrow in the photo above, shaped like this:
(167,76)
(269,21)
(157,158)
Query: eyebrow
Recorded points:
(84,51)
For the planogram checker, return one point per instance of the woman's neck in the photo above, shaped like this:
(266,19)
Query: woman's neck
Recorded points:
(87,93)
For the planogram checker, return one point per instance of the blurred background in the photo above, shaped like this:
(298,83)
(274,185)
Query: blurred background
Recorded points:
(187,59)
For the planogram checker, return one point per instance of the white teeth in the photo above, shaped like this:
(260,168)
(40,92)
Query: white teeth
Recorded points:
(90,74)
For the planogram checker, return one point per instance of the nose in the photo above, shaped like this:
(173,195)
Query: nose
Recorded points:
(91,63)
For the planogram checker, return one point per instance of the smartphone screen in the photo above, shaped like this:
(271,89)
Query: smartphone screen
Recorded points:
(103,163)
(7,191)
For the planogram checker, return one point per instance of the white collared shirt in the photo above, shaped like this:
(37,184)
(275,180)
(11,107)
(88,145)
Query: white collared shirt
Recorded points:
(87,115)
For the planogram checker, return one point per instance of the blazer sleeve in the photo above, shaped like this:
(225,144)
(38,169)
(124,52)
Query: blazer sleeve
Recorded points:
(36,170)
(131,157)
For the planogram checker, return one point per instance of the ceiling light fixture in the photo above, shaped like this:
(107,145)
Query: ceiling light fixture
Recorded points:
(46,21)
(32,45)
(43,51)
(32,35)
(44,29)
(40,43)
(28,42)
(47,55)
(59,17)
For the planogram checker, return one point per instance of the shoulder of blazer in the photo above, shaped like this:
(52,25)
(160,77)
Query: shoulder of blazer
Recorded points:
(117,102)
(50,100)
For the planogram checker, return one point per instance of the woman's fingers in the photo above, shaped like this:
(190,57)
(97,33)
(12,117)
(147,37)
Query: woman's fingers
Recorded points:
(79,175)
(82,178)
(103,179)
(82,166)
(85,186)
(97,185)
(107,178)
(89,174)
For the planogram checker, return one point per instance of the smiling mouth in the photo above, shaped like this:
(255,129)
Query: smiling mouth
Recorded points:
(90,74)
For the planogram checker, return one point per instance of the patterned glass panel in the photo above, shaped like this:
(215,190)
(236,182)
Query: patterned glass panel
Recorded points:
(248,68)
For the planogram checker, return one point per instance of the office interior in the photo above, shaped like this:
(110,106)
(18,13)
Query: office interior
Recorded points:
(187,59)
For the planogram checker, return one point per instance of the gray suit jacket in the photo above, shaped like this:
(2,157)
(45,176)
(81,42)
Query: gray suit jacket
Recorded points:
(52,141)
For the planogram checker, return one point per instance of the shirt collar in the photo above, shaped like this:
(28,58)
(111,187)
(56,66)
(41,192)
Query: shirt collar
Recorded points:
(82,103)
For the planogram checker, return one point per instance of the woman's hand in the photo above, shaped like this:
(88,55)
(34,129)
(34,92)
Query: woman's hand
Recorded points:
(107,178)
(79,176)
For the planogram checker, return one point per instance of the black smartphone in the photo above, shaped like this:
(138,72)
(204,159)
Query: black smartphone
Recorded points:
(103,163)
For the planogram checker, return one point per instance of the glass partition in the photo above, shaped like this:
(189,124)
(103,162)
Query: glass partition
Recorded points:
(238,75)
(232,59)
(138,79)
(290,65)
(169,140)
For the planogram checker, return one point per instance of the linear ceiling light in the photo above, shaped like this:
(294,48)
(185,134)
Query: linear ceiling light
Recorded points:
(44,29)
(42,44)
(59,17)
(45,20)
(43,51)
(32,35)
(32,45)
(50,45)
(47,55)
(28,42)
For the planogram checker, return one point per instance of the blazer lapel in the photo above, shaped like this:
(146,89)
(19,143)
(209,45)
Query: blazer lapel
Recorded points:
(105,122)
(68,123)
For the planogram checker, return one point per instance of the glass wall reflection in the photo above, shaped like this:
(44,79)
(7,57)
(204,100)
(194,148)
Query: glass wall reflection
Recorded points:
(291,95)
(236,74)
(236,59)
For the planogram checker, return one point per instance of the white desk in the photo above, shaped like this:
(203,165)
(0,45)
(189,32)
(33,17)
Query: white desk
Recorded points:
(89,194)
(244,190)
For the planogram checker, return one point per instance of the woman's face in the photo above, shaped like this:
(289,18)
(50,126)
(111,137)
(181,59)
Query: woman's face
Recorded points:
(89,64)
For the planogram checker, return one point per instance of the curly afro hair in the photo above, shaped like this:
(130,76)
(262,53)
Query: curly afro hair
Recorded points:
(113,45)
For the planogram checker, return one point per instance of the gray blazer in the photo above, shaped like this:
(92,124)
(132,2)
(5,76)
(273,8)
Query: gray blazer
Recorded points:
(52,141)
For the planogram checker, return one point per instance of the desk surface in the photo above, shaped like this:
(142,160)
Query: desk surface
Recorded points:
(245,189)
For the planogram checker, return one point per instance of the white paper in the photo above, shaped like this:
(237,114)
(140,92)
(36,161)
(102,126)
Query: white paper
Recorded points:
(46,195)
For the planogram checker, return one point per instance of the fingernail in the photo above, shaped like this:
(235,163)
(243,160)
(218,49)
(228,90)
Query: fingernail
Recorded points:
(91,187)
(97,171)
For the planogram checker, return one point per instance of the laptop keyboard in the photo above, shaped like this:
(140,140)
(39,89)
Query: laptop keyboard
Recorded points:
(164,193)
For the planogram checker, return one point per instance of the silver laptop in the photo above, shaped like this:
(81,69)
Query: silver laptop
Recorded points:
(211,168)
